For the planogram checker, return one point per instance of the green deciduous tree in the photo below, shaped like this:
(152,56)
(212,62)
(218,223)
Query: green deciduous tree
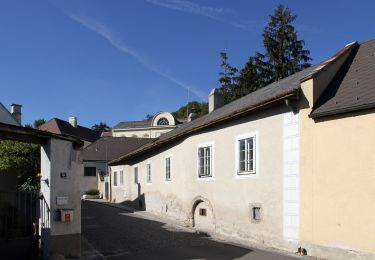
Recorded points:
(101,127)
(22,159)
(201,108)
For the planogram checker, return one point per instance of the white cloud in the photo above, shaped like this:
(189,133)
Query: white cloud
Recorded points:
(190,7)
(116,42)
(216,13)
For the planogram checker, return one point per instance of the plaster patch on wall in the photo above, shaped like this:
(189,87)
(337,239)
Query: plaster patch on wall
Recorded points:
(291,177)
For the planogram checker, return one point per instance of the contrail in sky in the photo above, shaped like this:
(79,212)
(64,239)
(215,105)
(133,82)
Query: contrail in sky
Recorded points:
(116,42)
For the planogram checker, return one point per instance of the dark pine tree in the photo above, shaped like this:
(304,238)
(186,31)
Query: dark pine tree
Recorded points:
(285,54)
(227,78)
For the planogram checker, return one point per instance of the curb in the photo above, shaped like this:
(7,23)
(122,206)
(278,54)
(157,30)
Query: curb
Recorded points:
(110,204)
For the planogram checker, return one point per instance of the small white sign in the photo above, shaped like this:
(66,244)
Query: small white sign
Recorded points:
(60,201)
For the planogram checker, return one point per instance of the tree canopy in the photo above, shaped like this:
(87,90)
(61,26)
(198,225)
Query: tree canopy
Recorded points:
(201,108)
(22,159)
(101,127)
(284,55)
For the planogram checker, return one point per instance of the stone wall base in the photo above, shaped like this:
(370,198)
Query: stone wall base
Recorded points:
(335,253)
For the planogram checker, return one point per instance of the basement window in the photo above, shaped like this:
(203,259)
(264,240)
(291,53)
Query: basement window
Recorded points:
(202,212)
(256,212)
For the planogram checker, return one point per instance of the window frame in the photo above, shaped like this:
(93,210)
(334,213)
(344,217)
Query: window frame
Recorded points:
(136,174)
(148,172)
(89,175)
(211,165)
(170,168)
(115,184)
(121,177)
(255,171)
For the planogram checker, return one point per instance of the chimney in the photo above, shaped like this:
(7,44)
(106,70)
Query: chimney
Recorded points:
(215,100)
(73,121)
(15,110)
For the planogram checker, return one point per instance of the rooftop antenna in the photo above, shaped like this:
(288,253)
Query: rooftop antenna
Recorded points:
(187,104)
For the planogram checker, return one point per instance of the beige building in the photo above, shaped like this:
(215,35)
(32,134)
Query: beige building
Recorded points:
(288,166)
(159,124)
(337,157)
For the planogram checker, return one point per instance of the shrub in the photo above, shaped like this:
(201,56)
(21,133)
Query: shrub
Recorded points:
(92,192)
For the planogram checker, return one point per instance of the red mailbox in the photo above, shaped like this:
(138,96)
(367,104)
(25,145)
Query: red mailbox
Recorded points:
(66,215)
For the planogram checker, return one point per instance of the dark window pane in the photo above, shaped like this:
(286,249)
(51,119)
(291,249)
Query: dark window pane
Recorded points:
(90,171)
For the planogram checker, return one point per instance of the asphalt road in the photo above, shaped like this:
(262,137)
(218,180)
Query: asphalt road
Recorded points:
(112,233)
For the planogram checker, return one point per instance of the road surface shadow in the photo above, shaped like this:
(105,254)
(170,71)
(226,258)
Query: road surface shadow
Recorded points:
(111,233)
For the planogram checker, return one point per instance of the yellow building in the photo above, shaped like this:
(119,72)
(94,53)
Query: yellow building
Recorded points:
(337,156)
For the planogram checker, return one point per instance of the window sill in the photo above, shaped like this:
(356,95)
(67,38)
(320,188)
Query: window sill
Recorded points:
(246,175)
(205,178)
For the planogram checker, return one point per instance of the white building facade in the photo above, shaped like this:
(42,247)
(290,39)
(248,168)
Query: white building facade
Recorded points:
(237,179)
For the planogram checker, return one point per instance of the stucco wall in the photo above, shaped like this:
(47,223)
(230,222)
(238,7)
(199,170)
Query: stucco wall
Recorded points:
(61,169)
(91,182)
(228,195)
(337,181)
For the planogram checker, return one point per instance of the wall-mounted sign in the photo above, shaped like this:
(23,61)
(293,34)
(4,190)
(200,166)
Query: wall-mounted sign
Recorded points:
(60,201)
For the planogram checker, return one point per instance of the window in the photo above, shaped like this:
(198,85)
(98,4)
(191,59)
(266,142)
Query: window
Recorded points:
(163,121)
(90,171)
(202,212)
(121,177)
(205,161)
(246,155)
(136,175)
(168,168)
(148,172)
(114,178)
(256,212)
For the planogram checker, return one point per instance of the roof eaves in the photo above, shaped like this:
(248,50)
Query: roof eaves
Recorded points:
(20,130)
(342,110)
(158,142)
(328,62)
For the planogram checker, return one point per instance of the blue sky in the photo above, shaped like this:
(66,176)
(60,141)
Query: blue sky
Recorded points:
(115,61)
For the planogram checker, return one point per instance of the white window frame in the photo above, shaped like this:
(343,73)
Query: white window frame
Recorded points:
(115,178)
(148,172)
(136,180)
(255,171)
(211,146)
(121,177)
(170,168)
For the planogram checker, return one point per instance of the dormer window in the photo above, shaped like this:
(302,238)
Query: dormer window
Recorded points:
(163,121)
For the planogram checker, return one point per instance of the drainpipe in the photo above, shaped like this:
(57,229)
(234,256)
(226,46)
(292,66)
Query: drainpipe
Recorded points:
(108,171)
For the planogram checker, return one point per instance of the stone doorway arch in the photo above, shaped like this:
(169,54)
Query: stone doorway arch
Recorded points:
(202,215)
